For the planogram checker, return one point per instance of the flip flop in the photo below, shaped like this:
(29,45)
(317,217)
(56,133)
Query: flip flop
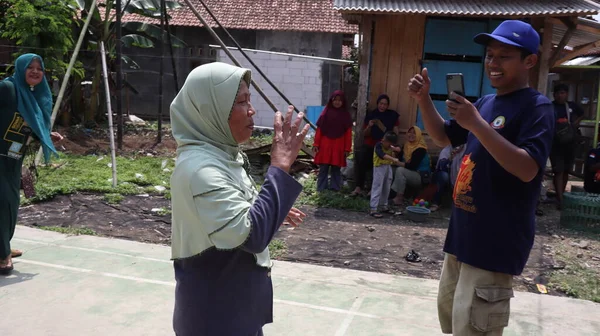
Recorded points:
(376,214)
(5,270)
(16,253)
(388,210)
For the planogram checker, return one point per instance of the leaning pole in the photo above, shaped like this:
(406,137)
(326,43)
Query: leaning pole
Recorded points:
(63,86)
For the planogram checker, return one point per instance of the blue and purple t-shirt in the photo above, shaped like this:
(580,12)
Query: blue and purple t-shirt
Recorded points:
(492,226)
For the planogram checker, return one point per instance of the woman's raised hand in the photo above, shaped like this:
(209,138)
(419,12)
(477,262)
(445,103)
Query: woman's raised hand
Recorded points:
(287,141)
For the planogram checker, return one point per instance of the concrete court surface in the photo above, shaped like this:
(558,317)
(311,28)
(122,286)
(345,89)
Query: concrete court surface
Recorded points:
(83,285)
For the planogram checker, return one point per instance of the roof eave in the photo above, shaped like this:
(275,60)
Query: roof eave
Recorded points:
(358,11)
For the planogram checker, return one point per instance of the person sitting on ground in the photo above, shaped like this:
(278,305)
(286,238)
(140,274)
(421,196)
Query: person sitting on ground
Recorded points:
(25,112)
(222,224)
(591,179)
(445,172)
(568,117)
(376,124)
(415,161)
(333,142)
(383,159)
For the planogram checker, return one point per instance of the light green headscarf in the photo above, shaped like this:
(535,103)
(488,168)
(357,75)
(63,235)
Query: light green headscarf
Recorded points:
(211,193)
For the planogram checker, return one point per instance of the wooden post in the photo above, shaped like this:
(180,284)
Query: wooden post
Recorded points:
(542,79)
(366,29)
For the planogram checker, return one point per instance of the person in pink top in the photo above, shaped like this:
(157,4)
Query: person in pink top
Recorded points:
(333,142)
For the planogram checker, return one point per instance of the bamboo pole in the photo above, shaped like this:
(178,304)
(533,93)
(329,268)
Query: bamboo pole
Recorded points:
(119,71)
(304,148)
(163,12)
(110,120)
(254,64)
(595,141)
(63,86)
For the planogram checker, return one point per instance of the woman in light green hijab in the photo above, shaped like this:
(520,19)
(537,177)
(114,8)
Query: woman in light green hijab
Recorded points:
(222,225)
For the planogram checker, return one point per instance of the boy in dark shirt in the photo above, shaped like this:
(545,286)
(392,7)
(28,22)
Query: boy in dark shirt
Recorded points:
(562,155)
(591,177)
(508,137)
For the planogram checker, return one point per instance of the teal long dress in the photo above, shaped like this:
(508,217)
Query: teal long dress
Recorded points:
(14,134)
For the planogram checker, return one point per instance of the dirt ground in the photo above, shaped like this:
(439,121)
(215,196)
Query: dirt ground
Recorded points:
(329,237)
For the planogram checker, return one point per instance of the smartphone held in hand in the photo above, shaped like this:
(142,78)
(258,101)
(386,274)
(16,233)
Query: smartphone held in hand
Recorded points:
(455,83)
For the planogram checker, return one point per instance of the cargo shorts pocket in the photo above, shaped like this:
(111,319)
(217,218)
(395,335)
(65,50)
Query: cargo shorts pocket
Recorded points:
(490,308)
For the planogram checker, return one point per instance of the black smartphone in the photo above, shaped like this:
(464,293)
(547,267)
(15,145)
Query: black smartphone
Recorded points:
(456,84)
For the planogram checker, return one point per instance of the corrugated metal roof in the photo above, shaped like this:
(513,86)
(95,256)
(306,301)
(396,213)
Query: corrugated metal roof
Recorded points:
(471,7)
(583,61)
(580,37)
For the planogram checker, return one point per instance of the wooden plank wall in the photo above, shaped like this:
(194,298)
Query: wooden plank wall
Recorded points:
(397,52)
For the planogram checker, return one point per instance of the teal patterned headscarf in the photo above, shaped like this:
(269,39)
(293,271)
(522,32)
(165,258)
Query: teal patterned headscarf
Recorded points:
(34,103)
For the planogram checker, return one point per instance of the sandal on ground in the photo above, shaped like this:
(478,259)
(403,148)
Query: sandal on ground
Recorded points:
(434,208)
(375,214)
(539,212)
(16,253)
(413,256)
(6,266)
(388,210)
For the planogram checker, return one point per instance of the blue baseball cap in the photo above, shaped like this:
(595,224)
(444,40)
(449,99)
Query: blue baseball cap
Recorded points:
(515,33)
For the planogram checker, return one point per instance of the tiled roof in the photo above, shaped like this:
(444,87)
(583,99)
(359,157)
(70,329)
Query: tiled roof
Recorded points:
(281,15)
(346,52)
(471,7)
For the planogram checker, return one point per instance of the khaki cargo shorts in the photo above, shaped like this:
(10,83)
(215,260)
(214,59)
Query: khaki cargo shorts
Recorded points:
(473,301)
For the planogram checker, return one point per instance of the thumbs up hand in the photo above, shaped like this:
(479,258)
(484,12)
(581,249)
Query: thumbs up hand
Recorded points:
(419,85)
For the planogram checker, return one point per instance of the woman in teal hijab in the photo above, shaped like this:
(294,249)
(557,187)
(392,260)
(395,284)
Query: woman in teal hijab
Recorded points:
(25,111)
(221,223)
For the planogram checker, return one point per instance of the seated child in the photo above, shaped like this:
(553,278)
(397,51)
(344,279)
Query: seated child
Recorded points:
(383,159)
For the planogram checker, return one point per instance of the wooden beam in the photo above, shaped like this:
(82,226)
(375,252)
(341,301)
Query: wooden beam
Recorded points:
(580,50)
(563,43)
(542,80)
(580,26)
(366,29)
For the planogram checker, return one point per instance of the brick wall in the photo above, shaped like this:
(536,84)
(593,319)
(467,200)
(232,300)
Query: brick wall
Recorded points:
(299,78)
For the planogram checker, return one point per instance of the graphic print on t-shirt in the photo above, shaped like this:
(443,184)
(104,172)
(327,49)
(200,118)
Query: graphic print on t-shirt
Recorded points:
(16,136)
(463,185)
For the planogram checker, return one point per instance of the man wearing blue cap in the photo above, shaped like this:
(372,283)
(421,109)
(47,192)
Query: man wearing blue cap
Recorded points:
(508,137)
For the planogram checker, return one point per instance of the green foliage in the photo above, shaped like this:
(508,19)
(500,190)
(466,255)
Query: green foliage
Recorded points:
(354,69)
(70,230)
(113,198)
(91,173)
(44,27)
(577,281)
(329,199)
(135,34)
(277,248)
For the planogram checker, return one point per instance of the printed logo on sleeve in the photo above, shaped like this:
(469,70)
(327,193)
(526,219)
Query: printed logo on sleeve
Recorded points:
(498,123)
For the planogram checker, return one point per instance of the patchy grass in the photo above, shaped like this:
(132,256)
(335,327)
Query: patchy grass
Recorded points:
(328,199)
(581,276)
(164,212)
(277,248)
(113,198)
(261,140)
(69,230)
(70,174)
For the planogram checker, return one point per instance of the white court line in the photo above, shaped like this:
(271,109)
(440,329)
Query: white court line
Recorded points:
(333,310)
(172,284)
(92,250)
(348,320)
(83,270)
